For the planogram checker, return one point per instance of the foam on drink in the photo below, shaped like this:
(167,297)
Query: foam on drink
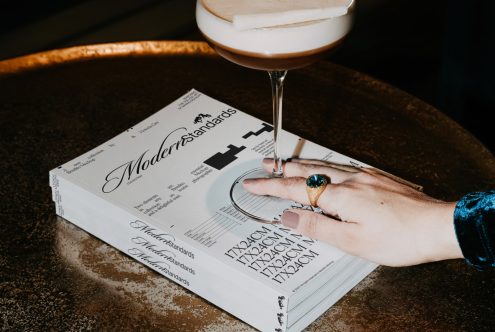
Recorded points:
(303,35)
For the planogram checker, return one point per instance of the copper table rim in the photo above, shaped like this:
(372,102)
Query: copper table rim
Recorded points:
(105,50)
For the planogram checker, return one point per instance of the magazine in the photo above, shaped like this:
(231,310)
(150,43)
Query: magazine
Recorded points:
(159,192)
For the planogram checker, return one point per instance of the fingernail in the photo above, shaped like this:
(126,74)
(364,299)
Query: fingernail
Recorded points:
(290,219)
(268,161)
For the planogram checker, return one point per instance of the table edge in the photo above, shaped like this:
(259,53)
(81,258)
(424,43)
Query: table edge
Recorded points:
(194,48)
(118,49)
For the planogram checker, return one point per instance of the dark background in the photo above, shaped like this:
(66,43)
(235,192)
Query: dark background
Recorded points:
(440,51)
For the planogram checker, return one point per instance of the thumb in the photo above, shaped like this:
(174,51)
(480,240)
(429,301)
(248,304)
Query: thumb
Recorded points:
(320,227)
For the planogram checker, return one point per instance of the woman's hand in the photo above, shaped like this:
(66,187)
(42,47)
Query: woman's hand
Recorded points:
(367,213)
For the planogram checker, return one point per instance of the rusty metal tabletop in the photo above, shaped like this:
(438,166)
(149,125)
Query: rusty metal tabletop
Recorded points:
(57,105)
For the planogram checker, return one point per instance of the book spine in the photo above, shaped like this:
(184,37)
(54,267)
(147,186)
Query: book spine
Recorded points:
(260,307)
(56,196)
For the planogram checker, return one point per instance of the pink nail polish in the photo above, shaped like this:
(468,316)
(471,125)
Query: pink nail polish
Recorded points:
(290,219)
(268,161)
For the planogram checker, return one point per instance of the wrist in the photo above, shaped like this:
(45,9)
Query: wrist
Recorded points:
(450,245)
(440,237)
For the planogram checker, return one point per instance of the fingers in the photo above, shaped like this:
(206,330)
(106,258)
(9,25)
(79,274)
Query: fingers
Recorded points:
(394,178)
(310,161)
(294,189)
(322,228)
(326,163)
(304,169)
(340,173)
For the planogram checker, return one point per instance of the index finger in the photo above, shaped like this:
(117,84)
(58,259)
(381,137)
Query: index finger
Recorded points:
(305,169)
(293,189)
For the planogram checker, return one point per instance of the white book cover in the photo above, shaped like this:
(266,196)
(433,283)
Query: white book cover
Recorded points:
(159,192)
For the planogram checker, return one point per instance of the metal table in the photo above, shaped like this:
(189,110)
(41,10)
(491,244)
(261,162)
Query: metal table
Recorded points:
(58,104)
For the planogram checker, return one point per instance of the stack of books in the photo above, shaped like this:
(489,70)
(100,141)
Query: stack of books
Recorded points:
(159,192)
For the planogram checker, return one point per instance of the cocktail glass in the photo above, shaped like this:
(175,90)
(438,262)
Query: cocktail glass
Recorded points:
(274,49)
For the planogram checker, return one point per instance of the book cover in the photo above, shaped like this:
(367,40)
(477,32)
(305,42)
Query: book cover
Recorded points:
(159,192)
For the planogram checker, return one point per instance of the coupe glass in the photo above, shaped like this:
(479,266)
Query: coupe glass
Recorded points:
(275,50)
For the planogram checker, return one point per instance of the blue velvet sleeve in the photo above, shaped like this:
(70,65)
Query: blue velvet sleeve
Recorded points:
(474,222)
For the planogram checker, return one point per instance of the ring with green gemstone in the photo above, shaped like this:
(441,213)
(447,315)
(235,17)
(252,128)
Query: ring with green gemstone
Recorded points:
(315,185)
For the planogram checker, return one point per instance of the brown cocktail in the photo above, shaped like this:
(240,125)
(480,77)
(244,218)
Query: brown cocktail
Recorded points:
(274,36)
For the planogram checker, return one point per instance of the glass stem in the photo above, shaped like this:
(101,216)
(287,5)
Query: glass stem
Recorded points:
(277,82)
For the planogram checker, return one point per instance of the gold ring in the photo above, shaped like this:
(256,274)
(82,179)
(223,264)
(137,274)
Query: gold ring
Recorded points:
(315,185)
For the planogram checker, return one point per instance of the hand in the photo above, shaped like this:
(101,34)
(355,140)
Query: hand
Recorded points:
(366,213)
